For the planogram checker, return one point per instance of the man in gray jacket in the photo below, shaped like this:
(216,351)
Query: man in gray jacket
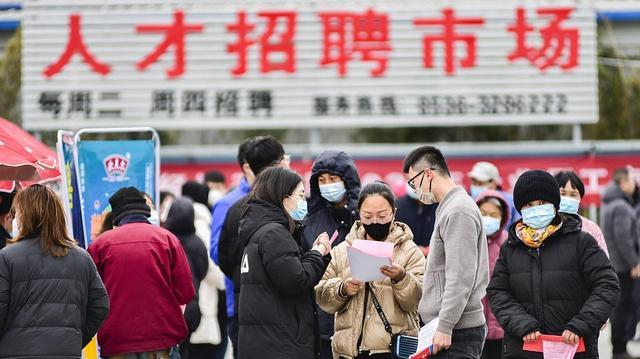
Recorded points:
(620,228)
(457,271)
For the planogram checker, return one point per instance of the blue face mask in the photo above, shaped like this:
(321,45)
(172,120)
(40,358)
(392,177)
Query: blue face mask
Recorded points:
(477,190)
(333,192)
(154,218)
(539,216)
(300,212)
(491,225)
(569,205)
(411,192)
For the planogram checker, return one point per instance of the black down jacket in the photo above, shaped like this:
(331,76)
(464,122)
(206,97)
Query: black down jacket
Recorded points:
(568,283)
(181,222)
(49,306)
(325,217)
(277,306)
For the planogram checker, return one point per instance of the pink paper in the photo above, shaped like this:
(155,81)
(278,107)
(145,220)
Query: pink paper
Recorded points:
(558,350)
(374,248)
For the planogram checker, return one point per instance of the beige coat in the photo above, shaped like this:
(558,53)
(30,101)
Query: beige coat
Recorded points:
(399,301)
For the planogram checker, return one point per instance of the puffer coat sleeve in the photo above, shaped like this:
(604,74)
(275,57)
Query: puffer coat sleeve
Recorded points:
(328,290)
(599,274)
(510,313)
(408,291)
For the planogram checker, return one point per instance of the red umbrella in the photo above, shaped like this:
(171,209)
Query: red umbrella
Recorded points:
(23,158)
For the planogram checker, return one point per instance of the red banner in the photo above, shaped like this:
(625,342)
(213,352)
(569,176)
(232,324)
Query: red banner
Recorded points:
(594,170)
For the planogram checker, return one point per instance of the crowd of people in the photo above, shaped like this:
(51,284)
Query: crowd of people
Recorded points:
(253,271)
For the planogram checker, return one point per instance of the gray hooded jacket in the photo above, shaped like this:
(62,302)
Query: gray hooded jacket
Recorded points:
(620,228)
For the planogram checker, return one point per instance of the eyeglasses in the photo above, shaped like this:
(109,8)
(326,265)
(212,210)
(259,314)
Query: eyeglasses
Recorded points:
(380,218)
(410,182)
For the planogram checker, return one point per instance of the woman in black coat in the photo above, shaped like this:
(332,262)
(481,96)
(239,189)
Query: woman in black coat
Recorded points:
(550,278)
(277,307)
(181,222)
(52,300)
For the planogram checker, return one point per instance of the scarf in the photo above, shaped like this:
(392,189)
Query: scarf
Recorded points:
(534,238)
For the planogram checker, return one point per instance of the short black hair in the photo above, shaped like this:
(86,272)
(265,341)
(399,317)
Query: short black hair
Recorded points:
(198,192)
(431,156)
(377,188)
(273,185)
(242,149)
(214,176)
(620,174)
(563,177)
(263,152)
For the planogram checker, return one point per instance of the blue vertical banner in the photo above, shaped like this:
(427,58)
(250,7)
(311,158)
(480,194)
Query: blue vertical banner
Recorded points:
(69,190)
(106,166)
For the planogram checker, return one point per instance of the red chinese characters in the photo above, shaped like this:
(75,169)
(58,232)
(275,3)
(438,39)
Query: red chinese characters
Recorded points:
(346,35)
(449,37)
(271,42)
(76,45)
(349,37)
(555,40)
(174,36)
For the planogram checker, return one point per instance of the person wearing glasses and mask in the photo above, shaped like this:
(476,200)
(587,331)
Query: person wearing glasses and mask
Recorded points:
(333,206)
(359,330)
(551,277)
(277,310)
(457,270)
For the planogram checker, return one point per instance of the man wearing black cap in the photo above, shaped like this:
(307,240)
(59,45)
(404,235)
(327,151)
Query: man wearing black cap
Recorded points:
(6,217)
(147,276)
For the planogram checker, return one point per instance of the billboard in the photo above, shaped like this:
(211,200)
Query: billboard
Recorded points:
(307,64)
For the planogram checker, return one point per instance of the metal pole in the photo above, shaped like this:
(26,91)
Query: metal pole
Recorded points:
(314,142)
(577,134)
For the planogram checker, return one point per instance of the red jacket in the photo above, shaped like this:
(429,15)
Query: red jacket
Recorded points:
(147,276)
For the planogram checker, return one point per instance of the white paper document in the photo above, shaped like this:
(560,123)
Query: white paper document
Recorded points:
(426,334)
(366,267)
(558,350)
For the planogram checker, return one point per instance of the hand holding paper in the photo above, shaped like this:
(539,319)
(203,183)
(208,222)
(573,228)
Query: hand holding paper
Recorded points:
(425,340)
(394,272)
(351,287)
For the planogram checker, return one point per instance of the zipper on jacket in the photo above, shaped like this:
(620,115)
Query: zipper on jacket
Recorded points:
(541,291)
(364,318)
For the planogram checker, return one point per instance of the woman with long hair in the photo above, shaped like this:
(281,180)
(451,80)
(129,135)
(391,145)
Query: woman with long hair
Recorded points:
(52,300)
(276,313)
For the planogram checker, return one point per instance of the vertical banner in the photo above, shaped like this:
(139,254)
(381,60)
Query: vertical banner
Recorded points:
(106,166)
(69,187)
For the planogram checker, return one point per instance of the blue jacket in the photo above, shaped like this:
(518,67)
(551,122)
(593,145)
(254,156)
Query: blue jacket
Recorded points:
(219,211)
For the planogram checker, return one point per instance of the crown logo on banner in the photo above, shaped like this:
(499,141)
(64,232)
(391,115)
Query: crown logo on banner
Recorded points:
(116,168)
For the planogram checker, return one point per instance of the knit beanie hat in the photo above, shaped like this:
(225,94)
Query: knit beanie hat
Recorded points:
(536,185)
(128,201)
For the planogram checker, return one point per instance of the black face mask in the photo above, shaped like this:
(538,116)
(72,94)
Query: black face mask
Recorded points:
(378,231)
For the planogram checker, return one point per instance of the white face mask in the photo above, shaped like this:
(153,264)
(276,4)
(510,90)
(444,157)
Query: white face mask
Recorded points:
(411,192)
(154,218)
(214,196)
(15,228)
(427,198)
